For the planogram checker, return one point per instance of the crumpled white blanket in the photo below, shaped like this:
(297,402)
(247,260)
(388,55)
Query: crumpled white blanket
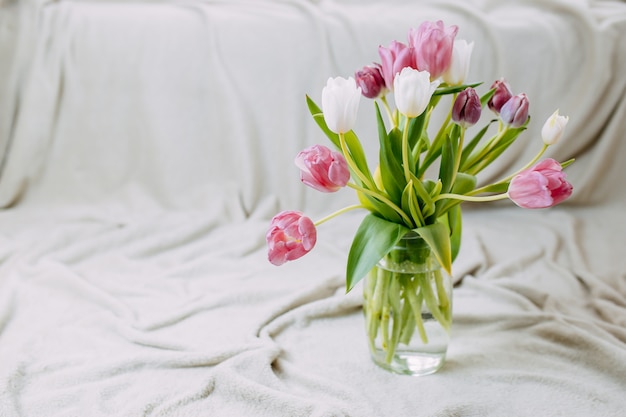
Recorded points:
(146,145)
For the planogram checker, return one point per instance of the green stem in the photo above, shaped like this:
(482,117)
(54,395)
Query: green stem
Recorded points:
(383,99)
(368,306)
(472,198)
(408,321)
(337,213)
(459,151)
(394,301)
(473,167)
(508,178)
(431,301)
(442,295)
(405,150)
(415,299)
(385,200)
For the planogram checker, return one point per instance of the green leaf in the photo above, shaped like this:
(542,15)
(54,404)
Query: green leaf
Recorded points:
(507,140)
(567,163)
(455,224)
(358,155)
(424,195)
(446,167)
(454,89)
(434,151)
(374,239)
(411,205)
(484,99)
(469,148)
(391,172)
(379,208)
(438,238)
(352,141)
(318,116)
(464,183)
(416,127)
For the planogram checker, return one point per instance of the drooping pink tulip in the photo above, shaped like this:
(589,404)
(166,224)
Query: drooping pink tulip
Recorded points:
(515,111)
(291,235)
(322,169)
(502,94)
(541,186)
(370,79)
(394,59)
(433,44)
(467,108)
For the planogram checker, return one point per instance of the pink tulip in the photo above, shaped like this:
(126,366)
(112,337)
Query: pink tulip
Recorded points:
(371,81)
(393,59)
(291,235)
(323,169)
(515,111)
(467,108)
(433,44)
(500,96)
(541,186)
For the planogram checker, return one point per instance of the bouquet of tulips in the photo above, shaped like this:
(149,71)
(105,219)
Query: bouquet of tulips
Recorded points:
(397,193)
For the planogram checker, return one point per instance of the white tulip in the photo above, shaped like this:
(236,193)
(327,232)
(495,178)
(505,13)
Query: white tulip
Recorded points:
(553,128)
(460,62)
(340,104)
(412,90)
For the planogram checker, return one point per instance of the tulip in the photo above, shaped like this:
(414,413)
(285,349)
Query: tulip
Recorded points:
(515,111)
(322,169)
(291,235)
(340,104)
(541,186)
(467,108)
(459,65)
(394,59)
(500,96)
(433,44)
(552,129)
(371,81)
(413,91)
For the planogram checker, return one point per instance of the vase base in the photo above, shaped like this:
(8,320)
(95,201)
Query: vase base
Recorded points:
(410,363)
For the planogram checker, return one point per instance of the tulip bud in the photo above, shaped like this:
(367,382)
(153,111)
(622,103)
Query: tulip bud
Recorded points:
(371,81)
(515,111)
(340,104)
(394,59)
(500,96)
(323,169)
(541,186)
(433,44)
(459,64)
(413,91)
(467,108)
(291,235)
(553,128)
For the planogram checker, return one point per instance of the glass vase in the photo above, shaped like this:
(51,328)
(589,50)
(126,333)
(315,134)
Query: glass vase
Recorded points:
(408,309)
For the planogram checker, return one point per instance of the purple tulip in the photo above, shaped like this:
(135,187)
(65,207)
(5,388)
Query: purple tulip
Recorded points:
(433,44)
(291,236)
(500,96)
(322,169)
(515,111)
(541,186)
(394,59)
(371,81)
(467,108)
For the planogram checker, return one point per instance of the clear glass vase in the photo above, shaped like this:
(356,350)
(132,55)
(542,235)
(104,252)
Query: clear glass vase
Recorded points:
(408,309)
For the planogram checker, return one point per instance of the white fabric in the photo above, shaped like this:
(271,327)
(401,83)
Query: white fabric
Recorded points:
(146,145)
